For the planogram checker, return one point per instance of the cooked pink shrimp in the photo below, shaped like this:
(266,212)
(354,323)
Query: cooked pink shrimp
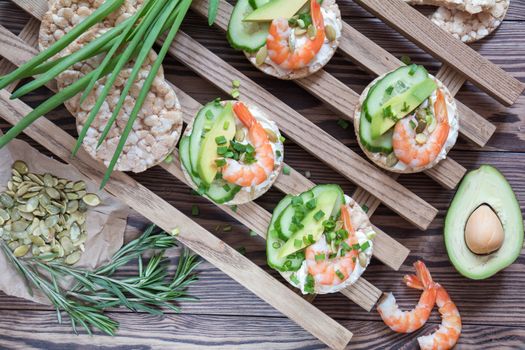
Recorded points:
(333,271)
(449,331)
(246,175)
(278,41)
(410,321)
(408,151)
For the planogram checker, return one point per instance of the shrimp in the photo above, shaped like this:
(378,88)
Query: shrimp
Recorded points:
(449,331)
(410,321)
(246,175)
(408,151)
(333,271)
(278,44)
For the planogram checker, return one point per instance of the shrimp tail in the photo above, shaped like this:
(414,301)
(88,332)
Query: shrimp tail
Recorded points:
(243,113)
(413,282)
(421,280)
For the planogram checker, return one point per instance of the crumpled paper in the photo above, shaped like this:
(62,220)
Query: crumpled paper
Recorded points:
(105,224)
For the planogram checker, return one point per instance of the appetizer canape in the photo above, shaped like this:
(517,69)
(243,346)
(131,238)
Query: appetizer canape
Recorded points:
(288,39)
(158,126)
(320,241)
(231,153)
(406,120)
(467,20)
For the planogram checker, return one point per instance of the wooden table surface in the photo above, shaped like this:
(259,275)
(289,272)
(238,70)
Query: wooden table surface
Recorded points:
(229,316)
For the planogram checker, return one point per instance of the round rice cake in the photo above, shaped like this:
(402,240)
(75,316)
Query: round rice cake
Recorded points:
(331,16)
(159,123)
(248,194)
(469,27)
(470,6)
(380,159)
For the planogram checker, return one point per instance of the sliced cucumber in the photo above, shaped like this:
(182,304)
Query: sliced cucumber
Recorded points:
(246,36)
(284,224)
(273,242)
(258,3)
(382,144)
(216,192)
(394,83)
(204,120)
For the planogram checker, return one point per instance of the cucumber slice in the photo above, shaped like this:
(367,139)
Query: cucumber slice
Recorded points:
(273,242)
(258,3)
(216,192)
(204,120)
(246,36)
(284,224)
(382,144)
(394,83)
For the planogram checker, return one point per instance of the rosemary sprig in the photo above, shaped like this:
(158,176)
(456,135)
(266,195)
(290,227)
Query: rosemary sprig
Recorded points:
(95,291)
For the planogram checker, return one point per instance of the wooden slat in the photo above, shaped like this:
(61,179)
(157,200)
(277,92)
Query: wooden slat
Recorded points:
(477,69)
(337,95)
(191,234)
(251,215)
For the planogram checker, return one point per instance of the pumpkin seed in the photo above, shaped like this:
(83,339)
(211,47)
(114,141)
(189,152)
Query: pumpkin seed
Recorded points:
(51,221)
(51,209)
(74,232)
(72,196)
(331,34)
(391,160)
(6,200)
(36,179)
(67,244)
(27,216)
(53,193)
(271,135)
(38,241)
(4,214)
(363,260)
(22,190)
(48,180)
(20,226)
(91,199)
(312,31)
(21,251)
(299,31)
(69,185)
(13,245)
(72,258)
(421,139)
(21,167)
(72,207)
(261,56)
(79,186)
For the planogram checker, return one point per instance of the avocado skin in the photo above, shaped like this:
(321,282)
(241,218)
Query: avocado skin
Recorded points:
(485,185)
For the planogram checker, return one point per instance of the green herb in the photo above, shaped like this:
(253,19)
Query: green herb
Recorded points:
(319,257)
(340,275)
(413,69)
(217,102)
(286,170)
(332,256)
(406,107)
(226,125)
(343,123)
(221,140)
(311,204)
(220,162)
(209,115)
(222,150)
(309,284)
(298,200)
(356,246)
(294,278)
(329,224)
(388,113)
(319,215)
(365,208)
(389,90)
(278,154)
(195,211)
(300,256)
(282,139)
(412,124)
(95,291)
(406,60)
(297,243)
(226,187)
(365,246)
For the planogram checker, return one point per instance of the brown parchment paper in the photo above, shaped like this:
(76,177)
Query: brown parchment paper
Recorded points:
(105,224)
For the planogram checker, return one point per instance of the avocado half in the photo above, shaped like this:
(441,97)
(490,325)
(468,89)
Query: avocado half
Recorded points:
(485,185)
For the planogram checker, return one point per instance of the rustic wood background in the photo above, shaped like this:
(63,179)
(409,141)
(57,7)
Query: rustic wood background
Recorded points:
(229,316)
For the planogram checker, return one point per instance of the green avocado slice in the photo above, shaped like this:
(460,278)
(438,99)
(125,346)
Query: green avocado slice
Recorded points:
(275,9)
(485,185)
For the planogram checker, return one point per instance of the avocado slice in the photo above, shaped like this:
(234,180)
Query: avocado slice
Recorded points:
(488,186)
(400,106)
(312,222)
(275,9)
(224,126)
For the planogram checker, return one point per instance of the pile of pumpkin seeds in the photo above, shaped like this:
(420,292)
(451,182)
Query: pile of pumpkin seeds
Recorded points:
(45,215)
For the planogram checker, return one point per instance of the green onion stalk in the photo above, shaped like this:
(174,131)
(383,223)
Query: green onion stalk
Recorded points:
(131,40)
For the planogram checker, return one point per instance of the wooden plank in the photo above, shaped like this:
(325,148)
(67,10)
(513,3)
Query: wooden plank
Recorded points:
(467,62)
(252,215)
(191,234)
(337,95)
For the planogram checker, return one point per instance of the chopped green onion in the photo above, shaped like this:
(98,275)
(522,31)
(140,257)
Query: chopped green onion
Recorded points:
(233,208)
(195,211)
(278,154)
(276,245)
(412,124)
(282,139)
(236,83)
(209,114)
(242,250)
(365,246)
(343,123)
(406,107)
(309,284)
(221,140)
(286,170)
(389,90)
(340,275)
(413,69)
(355,246)
(169,159)
(226,125)
(235,93)
(365,208)
(319,257)
(222,150)
(294,278)
(297,243)
(406,60)
(319,215)
(297,200)
(217,102)
(253,234)
(311,204)
(220,162)
(226,187)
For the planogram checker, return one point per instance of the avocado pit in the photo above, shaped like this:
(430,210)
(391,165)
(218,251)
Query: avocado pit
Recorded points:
(484,232)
